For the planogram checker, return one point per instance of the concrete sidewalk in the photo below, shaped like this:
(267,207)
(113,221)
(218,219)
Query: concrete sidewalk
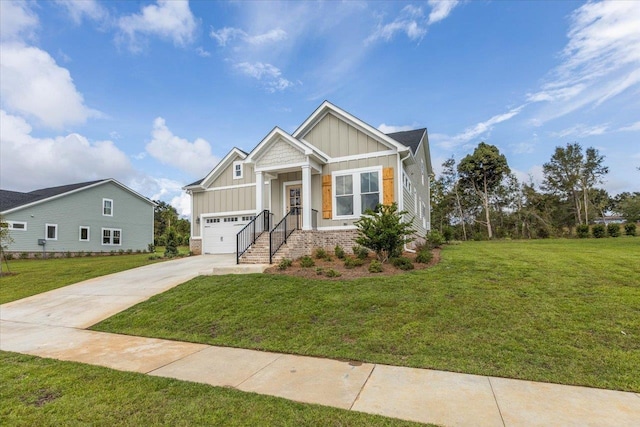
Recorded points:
(52,325)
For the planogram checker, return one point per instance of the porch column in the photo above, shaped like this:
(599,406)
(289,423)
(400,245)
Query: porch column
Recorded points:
(259,192)
(306,197)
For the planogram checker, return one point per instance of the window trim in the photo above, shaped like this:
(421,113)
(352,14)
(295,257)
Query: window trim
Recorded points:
(46,231)
(357,195)
(80,239)
(110,236)
(10,224)
(103,207)
(241,164)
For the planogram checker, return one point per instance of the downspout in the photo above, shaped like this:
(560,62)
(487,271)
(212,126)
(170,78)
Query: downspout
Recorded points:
(400,185)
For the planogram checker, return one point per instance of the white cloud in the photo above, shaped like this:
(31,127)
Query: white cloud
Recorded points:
(410,21)
(34,85)
(28,162)
(523,148)
(269,75)
(581,131)
(182,203)
(384,128)
(203,53)
(632,127)
(169,19)
(194,158)
(17,21)
(600,61)
(440,9)
(226,34)
(271,36)
(534,175)
(85,8)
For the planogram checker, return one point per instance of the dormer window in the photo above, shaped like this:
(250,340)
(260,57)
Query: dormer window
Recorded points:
(107,207)
(237,170)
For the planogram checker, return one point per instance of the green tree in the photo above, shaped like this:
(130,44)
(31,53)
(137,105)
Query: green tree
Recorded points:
(630,208)
(384,231)
(171,248)
(483,171)
(164,216)
(5,241)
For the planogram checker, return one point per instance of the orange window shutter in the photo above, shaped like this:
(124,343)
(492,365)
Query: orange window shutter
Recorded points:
(326,197)
(387,186)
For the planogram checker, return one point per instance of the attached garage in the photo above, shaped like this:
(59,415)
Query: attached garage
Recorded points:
(219,234)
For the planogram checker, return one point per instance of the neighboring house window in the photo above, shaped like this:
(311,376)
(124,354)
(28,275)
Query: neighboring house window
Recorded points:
(422,170)
(406,182)
(51,231)
(84,234)
(423,213)
(17,225)
(107,207)
(111,236)
(356,191)
(420,204)
(237,170)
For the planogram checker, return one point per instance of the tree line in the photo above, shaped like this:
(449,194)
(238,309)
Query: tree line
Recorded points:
(169,226)
(480,198)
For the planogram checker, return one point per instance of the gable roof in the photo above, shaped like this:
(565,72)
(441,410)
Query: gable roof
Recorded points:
(409,138)
(217,170)
(278,133)
(14,200)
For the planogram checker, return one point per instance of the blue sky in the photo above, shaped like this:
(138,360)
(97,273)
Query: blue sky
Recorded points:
(155,93)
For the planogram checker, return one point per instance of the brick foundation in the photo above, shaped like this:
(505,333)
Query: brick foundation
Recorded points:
(195,246)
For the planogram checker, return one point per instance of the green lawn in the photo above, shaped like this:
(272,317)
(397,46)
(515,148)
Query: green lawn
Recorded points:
(46,392)
(35,276)
(563,311)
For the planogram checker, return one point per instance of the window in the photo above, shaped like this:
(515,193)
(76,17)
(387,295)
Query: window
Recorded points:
(84,234)
(51,231)
(107,207)
(406,182)
(111,236)
(212,220)
(237,170)
(231,219)
(16,225)
(422,170)
(248,218)
(357,191)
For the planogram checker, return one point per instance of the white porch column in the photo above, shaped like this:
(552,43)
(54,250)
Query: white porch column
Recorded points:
(259,192)
(306,197)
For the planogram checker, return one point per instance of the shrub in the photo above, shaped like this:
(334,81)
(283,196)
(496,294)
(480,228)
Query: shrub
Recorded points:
(613,230)
(319,271)
(403,263)
(582,231)
(424,256)
(152,257)
(339,252)
(121,251)
(129,251)
(306,261)
(67,254)
(375,266)
(353,262)
(385,232)
(332,273)
(171,249)
(37,255)
(138,251)
(8,256)
(435,239)
(284,264)
(24,255)
(447,233)
(151,247)
(320,253)
(630,229)
(88,253)
(111,253)
(360,252)
(598,231)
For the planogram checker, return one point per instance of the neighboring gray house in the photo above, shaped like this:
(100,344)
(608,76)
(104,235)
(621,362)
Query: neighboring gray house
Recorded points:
(96,216)
(327,172)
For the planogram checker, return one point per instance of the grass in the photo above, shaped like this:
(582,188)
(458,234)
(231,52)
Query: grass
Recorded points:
(562,311)
(46,392)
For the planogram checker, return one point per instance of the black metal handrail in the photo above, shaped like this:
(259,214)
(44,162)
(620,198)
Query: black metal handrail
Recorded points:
(279,234)
(250,232)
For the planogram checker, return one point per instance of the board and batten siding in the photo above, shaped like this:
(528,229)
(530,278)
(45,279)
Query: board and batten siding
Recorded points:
(337,138)
(131,214)
(225,200)
(225,179)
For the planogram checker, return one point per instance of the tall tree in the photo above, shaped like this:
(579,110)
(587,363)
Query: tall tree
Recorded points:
(450,187)
(483,171)
(592,172)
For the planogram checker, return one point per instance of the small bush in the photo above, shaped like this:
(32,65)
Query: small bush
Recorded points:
(319,271)
(306,262)
(120,251)
(630,229)
(424,256)
(403,263)
(24,255)
(339,252)
(112,253)
(138,251)
(353,262)
(447,233)
(613,230)
(129,251)
(598,231)
(67,254)
(375,266)
(360,252)
(8,257)
(332,273)
(37,255)
(88,253)
(284,264)
(320,253)
(435,239)
(582,231)
(152,257)
(151,247)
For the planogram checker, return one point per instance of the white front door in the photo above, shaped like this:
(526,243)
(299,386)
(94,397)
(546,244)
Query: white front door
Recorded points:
(293,195)
(219,234)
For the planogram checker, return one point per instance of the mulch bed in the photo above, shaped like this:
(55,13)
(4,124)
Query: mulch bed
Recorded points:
(318,271)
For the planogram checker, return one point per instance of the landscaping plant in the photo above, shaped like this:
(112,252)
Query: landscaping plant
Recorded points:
(385,231)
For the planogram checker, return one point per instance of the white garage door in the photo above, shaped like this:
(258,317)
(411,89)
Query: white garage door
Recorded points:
(219,235)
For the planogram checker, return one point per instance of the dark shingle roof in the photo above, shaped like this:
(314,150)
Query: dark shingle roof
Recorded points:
(195,183)
(409,138)
(14,199)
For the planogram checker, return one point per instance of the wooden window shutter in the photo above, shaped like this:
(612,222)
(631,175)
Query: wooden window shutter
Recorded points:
(387,186)
(326,197)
